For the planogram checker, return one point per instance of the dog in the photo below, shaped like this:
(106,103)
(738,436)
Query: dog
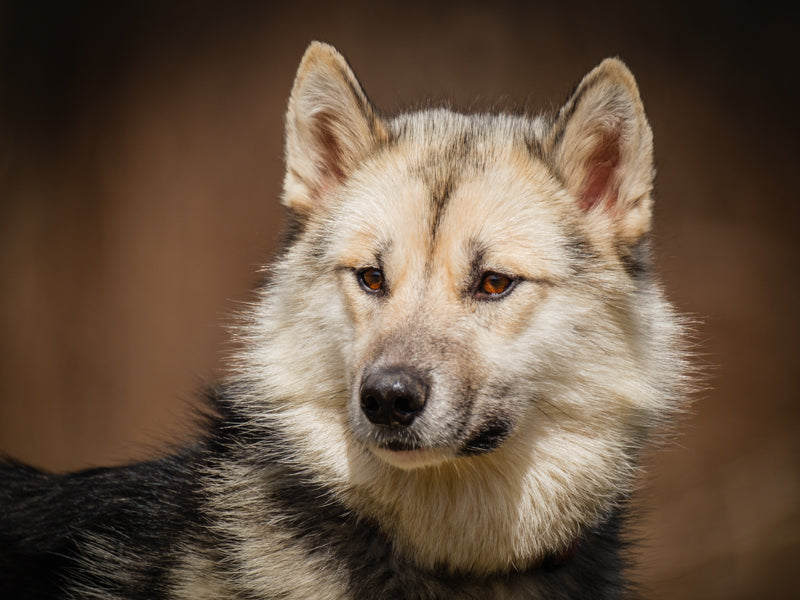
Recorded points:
(443,390)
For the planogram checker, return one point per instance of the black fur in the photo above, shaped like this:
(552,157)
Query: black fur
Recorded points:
(489,437)
(49,521)
(55,530)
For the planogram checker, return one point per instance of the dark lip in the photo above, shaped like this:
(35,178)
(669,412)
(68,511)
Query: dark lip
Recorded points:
(399,446)
(399,440)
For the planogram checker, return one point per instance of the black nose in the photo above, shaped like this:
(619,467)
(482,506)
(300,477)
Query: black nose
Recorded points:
(393,397)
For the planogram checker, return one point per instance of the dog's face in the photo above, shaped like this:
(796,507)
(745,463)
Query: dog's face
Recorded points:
(446,262)
(473,267)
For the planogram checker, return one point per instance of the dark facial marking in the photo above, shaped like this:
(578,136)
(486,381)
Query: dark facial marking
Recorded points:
(636,259)
(440,172)
(488,438)
(440,190)
(535,148)
(580,251)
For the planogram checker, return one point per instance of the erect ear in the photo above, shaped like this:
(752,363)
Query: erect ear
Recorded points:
(330,127)
(602,147)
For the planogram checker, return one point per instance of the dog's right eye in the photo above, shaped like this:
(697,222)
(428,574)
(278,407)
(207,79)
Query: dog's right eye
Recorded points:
(370,279)
(493,286)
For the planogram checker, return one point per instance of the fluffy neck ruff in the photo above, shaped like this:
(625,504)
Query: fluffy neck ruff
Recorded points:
(510,510)
(483,515)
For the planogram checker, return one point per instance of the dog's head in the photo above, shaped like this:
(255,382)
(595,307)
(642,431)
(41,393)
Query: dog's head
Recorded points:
(468,291)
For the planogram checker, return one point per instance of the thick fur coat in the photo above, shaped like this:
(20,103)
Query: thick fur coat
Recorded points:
(443,390)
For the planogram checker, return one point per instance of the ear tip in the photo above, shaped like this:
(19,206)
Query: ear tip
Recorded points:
(613,62)
(318,54)
(317,51)
(317,47)
(615,70)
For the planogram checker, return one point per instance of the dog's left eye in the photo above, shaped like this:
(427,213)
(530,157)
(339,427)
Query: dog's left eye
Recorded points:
(494,285)
(370,279)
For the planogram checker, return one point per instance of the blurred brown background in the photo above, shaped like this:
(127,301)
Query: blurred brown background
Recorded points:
(140,168)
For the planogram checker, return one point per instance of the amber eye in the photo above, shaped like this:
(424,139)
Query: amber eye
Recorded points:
(494,285)
(371,279)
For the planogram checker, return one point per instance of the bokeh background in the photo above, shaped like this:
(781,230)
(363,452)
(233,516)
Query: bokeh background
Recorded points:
(140,169)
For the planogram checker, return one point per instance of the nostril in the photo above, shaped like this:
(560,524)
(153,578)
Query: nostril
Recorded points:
(369,403)
(402,405)
(407,405)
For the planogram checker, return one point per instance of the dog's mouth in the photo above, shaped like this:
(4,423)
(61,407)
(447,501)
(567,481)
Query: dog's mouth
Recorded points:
(408,449)
(409,454)
(409,458)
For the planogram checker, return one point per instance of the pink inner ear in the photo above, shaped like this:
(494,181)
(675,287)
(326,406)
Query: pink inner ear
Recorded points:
(329,157)
(600,186)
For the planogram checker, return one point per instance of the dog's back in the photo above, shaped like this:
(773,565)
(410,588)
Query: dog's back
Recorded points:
(100,529)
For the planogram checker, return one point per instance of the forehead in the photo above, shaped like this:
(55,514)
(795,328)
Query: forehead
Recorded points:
(454,180)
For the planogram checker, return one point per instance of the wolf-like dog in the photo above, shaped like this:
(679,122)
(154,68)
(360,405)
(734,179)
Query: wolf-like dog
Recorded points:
(443,391)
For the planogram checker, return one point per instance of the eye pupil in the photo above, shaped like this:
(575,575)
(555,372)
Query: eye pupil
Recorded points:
(371,279)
